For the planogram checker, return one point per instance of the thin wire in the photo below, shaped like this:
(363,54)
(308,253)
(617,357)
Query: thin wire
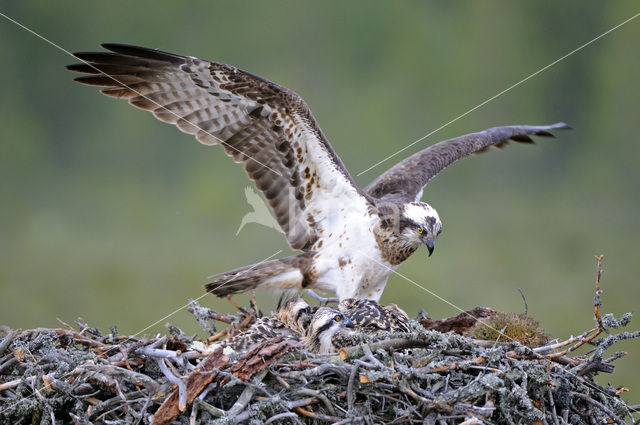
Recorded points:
(135,91)
(124,85)
(501,93)
(435,295)
(481,322)
(401,150)
(207,293)
(37,392)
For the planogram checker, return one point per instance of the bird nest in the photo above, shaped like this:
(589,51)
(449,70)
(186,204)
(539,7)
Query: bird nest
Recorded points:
(435,373)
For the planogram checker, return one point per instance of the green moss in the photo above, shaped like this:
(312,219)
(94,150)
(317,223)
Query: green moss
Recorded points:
(506,327)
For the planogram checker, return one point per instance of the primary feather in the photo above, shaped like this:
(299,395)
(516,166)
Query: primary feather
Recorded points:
(352,239)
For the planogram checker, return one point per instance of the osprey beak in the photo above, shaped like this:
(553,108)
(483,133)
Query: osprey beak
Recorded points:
(347,323)
(431,244)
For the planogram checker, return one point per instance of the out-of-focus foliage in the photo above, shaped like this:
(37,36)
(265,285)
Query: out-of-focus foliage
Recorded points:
(113,216)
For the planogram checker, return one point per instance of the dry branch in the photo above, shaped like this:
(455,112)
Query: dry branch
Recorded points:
(81,376)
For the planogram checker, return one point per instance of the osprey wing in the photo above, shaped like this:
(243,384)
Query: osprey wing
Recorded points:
(266,127)
(406,180)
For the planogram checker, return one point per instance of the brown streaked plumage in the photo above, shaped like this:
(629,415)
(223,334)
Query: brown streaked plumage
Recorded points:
(262,329)
(405,180)
(370,320)
(325,323)
(290,321)
(371,316)
(351,239)
(259,123)
(296,314)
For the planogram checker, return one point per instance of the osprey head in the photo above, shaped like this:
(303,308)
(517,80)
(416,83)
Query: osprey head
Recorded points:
(420,223)
(325,323)
(295,313)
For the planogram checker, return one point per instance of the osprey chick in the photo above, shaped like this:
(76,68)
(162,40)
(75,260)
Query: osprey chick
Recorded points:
(291,321)
(325,323)
(296,314)
(370,319)
(370,316)
(352,239)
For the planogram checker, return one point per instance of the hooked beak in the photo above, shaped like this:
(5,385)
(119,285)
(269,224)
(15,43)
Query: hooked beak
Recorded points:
(347,323)
(431,244)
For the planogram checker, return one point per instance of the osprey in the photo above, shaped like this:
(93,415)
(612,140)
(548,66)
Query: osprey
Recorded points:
(321,329)
(292,320)
(325,324)
(370,316)
(371,321)
(351,238)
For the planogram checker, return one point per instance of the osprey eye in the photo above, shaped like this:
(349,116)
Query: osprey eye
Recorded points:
(419,229)
(338,318)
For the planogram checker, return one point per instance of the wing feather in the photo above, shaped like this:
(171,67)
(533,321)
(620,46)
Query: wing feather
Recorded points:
(266,127)
(406,180)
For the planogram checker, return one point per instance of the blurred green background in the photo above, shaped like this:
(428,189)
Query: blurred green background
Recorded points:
(111,215)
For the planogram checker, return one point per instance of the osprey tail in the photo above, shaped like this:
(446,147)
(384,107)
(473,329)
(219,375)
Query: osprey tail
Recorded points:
(284,273)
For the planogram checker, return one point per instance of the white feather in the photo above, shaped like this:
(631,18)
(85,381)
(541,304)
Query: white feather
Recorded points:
(419,212)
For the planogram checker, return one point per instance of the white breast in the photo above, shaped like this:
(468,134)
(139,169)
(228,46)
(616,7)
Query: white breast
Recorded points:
(349,263)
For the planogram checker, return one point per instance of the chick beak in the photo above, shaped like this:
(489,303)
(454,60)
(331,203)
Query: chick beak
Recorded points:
(347,323)
(431,244)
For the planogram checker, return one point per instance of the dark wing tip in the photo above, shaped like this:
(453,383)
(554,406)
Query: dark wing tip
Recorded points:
(89,56)
(546,131)
(89,68)
(542,131)
(522,138)
(143,52)
(94,80)
(76,67)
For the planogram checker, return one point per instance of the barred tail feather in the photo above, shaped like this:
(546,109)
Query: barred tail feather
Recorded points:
(283,274)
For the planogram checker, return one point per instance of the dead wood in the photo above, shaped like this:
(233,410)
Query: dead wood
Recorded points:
(433,374)
(460,323)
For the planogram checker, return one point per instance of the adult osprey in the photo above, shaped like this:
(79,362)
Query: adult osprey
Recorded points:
(352,238)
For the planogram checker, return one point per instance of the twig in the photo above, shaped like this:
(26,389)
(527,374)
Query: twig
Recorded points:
(321,299)
(277,418)
(421,376)
(16,382)
(569,341)
(233,303)
(213,411)
(397,343)
(524,299)
(319,396)
(317,416)
(597,303)
(246,395)
(600,406)
(8,339)
(553,407)
(350,389)
(182,387)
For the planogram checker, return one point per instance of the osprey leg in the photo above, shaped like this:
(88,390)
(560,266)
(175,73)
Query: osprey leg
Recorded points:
(285,273)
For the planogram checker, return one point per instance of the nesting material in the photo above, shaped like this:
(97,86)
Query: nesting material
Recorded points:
(76,374)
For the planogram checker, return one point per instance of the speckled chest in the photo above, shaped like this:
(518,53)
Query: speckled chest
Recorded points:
(348,261)
(393,249)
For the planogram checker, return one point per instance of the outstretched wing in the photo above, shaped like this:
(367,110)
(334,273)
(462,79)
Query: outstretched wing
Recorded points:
(405,180)
(266,127)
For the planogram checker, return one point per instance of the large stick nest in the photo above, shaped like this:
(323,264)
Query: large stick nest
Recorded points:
(79,375)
